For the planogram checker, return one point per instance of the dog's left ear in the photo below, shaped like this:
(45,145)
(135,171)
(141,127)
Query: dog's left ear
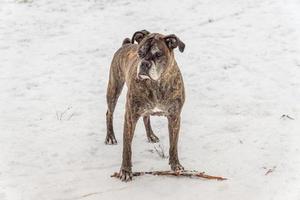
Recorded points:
(173,41)
(139,36)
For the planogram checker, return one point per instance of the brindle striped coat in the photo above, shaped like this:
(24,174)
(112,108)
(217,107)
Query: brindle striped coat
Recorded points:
(146,97)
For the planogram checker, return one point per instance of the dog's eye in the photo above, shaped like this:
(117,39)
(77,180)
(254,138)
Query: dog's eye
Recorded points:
(141,54)
(158,54)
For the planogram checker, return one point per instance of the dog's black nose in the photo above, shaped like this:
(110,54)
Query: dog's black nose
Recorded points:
(145,66)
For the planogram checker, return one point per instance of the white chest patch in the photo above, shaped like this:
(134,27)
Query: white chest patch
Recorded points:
(156,110)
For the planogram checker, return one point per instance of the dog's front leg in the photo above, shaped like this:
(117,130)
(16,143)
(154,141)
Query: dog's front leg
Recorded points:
(174,126)
(129,127)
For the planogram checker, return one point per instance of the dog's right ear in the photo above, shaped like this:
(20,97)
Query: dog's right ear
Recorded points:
(173,42)
(139,36)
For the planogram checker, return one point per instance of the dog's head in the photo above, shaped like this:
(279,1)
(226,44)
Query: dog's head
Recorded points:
(155,52)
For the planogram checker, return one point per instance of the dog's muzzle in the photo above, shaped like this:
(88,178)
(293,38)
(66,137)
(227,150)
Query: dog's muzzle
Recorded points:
(143,71)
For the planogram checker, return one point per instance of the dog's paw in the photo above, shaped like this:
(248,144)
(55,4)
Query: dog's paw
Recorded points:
(153,138)
(110,140)
(125,175)
(177,167)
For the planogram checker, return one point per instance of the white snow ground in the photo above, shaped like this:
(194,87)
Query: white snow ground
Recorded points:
(241,73)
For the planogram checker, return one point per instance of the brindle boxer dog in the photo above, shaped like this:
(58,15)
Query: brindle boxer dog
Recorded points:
(155,87)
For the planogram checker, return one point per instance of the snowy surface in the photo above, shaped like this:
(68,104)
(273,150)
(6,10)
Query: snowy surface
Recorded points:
(241,70)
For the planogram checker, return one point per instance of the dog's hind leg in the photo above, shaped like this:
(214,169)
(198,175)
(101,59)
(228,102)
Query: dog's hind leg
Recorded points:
(114,89)
(150,135)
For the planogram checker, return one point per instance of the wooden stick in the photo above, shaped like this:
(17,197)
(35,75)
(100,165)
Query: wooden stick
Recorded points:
(186,173)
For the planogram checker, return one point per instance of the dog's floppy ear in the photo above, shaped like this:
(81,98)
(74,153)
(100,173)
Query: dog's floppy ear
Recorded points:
(139,36)
(173,41)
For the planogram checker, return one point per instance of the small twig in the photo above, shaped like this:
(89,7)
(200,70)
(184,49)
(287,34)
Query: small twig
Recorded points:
(160,151)
(57,115)
(287,116)
(60,115)
(185,173)
(63,113)
(270,170)
(71,116)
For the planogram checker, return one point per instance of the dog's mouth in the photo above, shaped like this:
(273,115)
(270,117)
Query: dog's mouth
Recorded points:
(143,77)
(150,73)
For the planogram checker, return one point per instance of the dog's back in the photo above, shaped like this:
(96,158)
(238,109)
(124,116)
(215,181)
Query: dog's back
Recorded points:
(124,60)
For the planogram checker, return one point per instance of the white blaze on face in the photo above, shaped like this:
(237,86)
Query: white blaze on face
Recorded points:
(154,49)
(154,73)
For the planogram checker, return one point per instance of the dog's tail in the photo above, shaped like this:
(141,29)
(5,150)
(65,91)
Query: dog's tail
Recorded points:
(126,41)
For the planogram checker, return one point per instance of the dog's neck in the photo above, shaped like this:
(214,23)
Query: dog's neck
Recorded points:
(171,70)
